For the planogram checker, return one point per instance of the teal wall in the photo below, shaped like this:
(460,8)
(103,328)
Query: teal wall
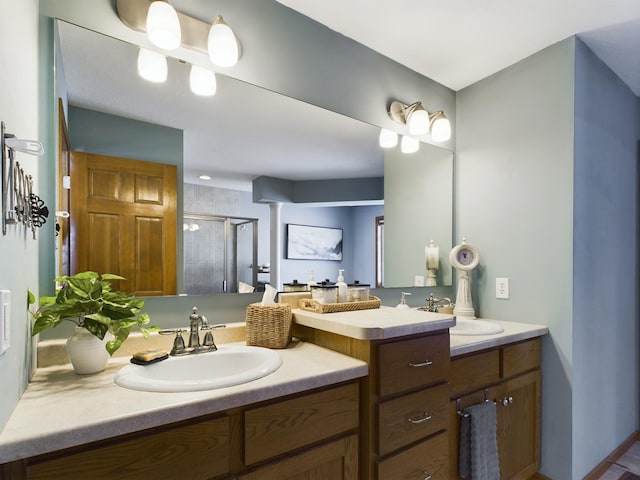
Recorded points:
(514,202)
(21,92)
(605,291)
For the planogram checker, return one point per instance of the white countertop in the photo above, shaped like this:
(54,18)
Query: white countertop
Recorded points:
(513,332)
(376,323)
(60,409)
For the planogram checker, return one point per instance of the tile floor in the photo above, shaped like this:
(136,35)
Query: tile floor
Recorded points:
(628,462)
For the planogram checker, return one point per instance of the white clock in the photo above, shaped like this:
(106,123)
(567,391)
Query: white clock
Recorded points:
(464,258)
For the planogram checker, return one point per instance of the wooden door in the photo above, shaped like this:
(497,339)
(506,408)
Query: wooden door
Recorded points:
(123,221)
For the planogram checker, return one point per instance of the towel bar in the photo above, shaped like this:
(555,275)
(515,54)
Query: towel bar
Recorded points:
(466,415)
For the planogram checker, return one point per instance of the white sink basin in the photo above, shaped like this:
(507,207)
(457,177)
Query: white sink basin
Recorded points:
(229,365)
(469,326)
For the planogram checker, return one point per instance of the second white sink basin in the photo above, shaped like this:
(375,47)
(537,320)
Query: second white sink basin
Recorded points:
(229,365)
(469,326)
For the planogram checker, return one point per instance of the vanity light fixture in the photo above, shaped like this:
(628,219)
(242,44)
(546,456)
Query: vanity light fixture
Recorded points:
(409,144)
(388,138)
(222,44)
(421,122)
(202,81)
(152,66)
(163,25)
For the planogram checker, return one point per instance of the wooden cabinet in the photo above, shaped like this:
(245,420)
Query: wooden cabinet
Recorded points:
(337,459)
(199,449)
(304,436)
(404,402)
(509,376)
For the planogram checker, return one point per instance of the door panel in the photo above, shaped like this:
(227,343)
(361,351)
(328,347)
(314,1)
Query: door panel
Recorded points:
(123,221)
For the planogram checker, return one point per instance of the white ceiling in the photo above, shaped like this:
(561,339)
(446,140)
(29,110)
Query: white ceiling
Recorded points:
(458,42)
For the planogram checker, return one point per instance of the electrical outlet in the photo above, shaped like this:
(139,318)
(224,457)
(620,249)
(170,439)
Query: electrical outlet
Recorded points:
(502,288)
(5,319)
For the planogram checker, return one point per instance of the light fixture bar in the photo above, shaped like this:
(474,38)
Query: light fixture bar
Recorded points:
(195,33)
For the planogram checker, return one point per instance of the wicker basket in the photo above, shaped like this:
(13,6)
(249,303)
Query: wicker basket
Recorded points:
(268,325)
(313,306)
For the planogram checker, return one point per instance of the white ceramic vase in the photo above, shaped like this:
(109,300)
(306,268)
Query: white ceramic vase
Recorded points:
(87,352)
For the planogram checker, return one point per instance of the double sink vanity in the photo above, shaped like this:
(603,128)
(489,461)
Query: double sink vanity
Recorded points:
(371,394)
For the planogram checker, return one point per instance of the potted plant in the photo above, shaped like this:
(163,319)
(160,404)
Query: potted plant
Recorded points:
(104,317)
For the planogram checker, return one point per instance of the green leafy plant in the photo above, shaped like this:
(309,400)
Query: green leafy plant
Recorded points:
(88,300)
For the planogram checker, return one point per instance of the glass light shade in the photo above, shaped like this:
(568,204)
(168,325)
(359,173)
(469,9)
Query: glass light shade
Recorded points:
(163,26)
(202,81)
(441,129)
(418,121)
(388,138)
(152,66)
(222,44)
(409,144)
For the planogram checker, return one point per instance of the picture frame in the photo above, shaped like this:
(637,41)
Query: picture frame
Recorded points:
(305,242)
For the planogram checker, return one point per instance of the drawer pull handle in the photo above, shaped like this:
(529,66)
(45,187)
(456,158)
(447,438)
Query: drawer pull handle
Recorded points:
(426,475)
(426,418)
(422,364)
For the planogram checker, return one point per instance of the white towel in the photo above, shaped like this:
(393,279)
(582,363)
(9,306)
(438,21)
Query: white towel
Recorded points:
(478,443)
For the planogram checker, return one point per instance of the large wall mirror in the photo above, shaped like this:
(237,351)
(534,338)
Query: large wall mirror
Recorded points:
(245,132)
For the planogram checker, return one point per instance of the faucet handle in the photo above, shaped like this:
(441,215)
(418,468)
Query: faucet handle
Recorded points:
(178,342)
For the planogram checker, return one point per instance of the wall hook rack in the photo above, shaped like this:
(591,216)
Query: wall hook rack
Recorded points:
(20,205)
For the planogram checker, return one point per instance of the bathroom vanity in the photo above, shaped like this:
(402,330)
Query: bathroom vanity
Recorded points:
(362,395)
(420,377)
(302,419)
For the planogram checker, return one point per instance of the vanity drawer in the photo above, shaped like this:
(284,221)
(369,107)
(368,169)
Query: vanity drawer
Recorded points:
(473,372)
(284,426)
(428,459)
(521,357)
(199,450)
(411,417)
(410,364)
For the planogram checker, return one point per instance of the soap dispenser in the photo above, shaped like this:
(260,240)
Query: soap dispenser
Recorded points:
(312,281)
(403,300)
(342,287)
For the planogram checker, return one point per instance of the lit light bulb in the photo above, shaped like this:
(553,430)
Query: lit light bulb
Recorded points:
(202,81)
(388,138)
(163,25)
(222,44)
(418,121)
(441,129)
(152,66)
(409,144)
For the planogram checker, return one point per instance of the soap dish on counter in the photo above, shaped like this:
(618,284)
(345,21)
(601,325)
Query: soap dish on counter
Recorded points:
(317,307)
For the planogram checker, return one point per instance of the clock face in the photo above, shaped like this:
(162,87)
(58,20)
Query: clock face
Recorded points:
(464,257)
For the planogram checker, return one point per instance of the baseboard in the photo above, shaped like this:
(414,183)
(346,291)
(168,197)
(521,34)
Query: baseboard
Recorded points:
(538,476)
(603,466)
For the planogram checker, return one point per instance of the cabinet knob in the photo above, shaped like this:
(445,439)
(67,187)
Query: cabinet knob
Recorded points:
(507,401)
(426,418)
(421,364)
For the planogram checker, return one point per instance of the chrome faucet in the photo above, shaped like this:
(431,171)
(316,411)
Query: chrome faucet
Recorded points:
(197,323)
(434,303)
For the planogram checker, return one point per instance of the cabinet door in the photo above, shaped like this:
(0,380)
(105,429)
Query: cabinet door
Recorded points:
(336,460)
(519,426)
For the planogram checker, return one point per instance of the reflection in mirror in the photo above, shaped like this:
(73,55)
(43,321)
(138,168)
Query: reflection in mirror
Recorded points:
(417,209)
(241,133)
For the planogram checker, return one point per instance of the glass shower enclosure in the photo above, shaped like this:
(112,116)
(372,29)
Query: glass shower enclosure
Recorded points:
(220,254)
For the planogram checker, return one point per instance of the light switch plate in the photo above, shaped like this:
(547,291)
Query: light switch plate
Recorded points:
(5,319)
